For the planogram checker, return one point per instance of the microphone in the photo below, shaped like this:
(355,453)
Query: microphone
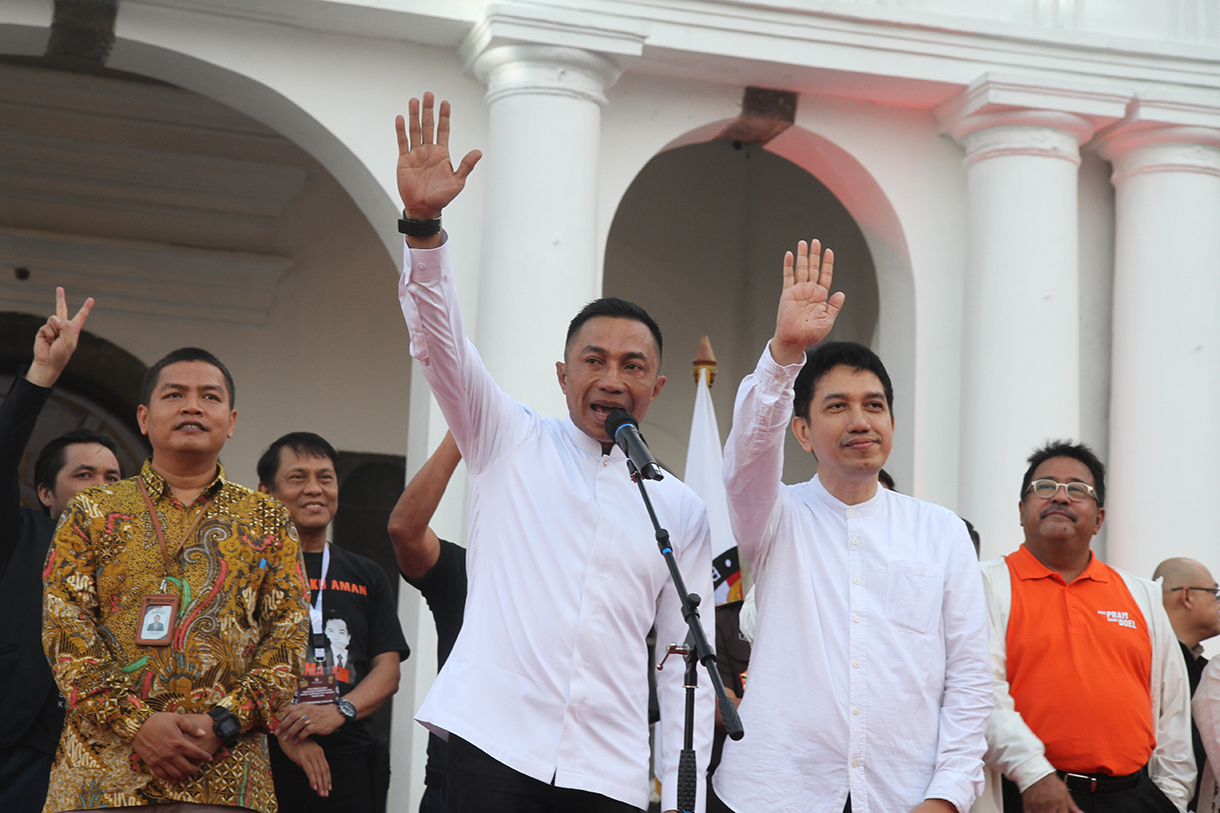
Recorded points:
(621,426)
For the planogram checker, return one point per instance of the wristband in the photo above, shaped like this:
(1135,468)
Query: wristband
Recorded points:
(419,228)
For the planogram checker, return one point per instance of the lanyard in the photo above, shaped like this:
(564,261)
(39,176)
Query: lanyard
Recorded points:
(156,523)
(315,608)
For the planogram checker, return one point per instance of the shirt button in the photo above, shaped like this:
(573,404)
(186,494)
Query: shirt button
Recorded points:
(1073,609)
(855,763)
(419,267)
(851,512)
(856,580)
(856,664)
(856,711)
(857,619)
(855,541)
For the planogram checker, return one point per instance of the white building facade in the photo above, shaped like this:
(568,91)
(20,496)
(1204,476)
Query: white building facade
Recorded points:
(1023,196)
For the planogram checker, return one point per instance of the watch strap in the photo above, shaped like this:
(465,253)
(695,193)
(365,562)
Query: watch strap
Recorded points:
(419,228)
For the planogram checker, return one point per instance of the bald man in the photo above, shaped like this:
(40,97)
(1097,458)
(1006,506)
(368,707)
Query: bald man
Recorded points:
(1192,603)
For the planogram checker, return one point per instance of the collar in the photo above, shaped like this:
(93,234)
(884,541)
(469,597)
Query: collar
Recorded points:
(159,488)
(587,444)
(870,506)
(1027,567)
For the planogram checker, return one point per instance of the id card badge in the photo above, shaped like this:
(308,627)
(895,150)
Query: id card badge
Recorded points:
(158,617)
(317,686)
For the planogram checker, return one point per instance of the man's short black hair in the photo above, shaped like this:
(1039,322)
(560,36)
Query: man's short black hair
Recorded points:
(186,354)
(1076,451)
(824,358)
(306,444)
(54,456)
(614,307)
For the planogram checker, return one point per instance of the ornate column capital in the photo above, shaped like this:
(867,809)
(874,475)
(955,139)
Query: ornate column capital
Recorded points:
(1001,115)
(1164,134)
(508,70)
(518,48)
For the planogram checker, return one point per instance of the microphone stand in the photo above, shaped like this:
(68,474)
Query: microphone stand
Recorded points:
(701,653)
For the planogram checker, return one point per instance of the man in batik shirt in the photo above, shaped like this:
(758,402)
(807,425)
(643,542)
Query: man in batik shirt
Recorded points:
(173,716)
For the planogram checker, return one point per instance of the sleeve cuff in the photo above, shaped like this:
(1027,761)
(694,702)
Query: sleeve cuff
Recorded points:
(954,788)
(426,264)
(129,724)
(1030,771)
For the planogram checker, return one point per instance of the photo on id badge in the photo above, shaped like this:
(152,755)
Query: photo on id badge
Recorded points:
(157,616)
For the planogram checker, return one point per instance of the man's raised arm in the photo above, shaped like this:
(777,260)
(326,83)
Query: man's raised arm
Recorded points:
(416,546)
(54,344)
(427,181)
(754,453)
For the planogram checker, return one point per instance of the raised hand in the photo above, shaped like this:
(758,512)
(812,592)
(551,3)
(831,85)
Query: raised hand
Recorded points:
(427,181)
(807,311)
(56,341)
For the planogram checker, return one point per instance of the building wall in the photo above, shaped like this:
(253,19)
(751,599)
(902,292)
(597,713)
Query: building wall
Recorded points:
(882,87)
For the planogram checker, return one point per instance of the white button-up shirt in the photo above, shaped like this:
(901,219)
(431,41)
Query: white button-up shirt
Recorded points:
(549,673)
(869,673)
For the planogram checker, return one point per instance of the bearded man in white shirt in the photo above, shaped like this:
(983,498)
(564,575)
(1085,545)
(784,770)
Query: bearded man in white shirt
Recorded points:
(869,685)
(544,697)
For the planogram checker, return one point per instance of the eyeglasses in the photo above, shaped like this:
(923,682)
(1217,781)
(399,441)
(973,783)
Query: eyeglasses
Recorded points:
(1046,489)
(1215,591)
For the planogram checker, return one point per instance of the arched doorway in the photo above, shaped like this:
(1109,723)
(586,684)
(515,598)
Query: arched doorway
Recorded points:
(698,239)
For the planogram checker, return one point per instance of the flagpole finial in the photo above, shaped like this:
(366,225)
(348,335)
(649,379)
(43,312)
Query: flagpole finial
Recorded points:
(705,360)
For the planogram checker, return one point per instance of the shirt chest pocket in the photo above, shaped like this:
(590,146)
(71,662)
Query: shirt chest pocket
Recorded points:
(916,591)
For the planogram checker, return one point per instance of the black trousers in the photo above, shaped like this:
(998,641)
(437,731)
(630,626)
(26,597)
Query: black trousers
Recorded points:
(351,780)
(1145,797)
(476,783)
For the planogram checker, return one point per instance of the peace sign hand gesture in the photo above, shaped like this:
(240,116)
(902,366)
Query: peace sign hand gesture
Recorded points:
(807,310)
(56,341)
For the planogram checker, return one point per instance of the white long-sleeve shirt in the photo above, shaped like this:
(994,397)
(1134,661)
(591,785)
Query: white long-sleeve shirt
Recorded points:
(1206,709)
(1015,750)
(549,673)
(869,670)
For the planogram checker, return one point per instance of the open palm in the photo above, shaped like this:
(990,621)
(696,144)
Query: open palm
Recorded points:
(807,310)
(427,181)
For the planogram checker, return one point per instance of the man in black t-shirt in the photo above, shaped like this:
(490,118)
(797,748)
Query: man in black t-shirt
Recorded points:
(321,756)
(31,709)
(437,569)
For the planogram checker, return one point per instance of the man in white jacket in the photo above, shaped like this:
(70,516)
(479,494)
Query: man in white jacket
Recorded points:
(1091,700)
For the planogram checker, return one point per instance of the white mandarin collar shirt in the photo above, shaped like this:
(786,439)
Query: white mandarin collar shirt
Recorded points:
(869,673)
(549,673)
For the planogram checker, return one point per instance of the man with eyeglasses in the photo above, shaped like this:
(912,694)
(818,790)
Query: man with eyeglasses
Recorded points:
(1092,707)
(1190,597)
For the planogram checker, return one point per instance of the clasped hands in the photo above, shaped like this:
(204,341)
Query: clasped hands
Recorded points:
(175,746)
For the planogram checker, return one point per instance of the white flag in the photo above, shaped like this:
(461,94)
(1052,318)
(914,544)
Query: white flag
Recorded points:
(704,461)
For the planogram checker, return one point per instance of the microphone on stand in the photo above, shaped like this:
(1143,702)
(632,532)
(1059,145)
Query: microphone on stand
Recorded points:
(621,426)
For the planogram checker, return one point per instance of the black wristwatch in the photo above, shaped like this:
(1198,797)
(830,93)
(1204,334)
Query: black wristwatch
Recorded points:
(226,725)
(347,709)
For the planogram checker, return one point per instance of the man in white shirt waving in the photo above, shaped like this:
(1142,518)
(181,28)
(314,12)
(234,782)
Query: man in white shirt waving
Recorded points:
(544,697)
(869,685)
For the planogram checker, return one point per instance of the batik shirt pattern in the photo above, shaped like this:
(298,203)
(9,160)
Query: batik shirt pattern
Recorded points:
(241,630)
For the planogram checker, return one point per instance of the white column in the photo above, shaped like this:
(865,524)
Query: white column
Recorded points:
(1020,370)
(1021,346)
(1164,474)
(540,229)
